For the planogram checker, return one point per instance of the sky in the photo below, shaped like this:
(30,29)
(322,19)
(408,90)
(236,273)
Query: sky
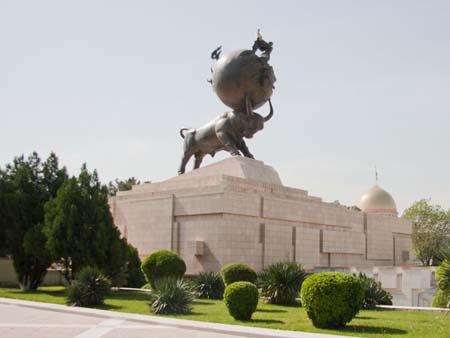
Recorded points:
(110,83)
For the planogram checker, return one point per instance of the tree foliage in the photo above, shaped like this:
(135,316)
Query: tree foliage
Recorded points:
(431,230)
(25,186)
(122,185)
(80,229)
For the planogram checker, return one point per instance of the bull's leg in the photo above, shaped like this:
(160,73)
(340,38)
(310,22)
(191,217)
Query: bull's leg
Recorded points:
(244,149)
(184,161)
(198,160)
(229,144)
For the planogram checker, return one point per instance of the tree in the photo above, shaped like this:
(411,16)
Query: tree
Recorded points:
(7,212)
(80,229)
(122,185)
(431,230)
(25,188)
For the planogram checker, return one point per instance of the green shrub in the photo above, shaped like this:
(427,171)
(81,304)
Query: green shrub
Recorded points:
(331,299)
(209,285)
(171,295)
(89,289)
(280,283)
(146,286)
(443,275)
(161,264)
(374,294)
(237,273)
(441,299)
(241,299)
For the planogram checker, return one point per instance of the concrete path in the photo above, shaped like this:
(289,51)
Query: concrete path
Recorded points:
(36,320)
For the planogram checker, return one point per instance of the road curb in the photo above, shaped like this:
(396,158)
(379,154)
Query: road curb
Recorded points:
(244,331)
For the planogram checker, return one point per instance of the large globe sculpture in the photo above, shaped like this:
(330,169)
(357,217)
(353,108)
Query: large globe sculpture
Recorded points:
(241,74)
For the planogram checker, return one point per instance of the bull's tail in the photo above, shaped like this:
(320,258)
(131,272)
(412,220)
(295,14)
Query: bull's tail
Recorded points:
(182,130)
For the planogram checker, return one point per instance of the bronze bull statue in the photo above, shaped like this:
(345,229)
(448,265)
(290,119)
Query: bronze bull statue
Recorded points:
(225,132)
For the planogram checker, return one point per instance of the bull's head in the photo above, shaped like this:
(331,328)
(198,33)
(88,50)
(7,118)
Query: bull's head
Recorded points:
(255,122)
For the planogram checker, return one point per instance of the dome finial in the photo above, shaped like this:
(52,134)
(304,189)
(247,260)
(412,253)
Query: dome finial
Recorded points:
(376,175)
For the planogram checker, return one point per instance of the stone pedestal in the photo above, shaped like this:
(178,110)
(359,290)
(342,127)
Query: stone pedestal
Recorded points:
(237,210)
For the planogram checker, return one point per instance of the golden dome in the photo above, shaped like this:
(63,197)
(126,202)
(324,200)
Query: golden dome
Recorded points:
(378,201)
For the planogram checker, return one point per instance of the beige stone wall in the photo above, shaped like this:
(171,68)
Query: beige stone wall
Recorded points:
(279,246)
(343,242)
(146,223)
(339,260)
(226,239)
(308,247)
(217,219)
(380,236)
(403,249)
(8,275)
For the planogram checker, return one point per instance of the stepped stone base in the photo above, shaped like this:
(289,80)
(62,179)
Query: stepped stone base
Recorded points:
(237,210)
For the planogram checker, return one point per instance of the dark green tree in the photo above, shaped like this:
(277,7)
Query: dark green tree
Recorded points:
(80,229)
(431,230)
(7,212)
(122,185)
(27,189)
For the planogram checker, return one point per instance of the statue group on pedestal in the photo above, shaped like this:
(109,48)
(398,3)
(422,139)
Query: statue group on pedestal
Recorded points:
(244,81)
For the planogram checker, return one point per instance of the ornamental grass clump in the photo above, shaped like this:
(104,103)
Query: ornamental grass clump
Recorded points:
(209,285)
(238,273)
(171,295)
(374,294)
(280,283)
(241,299)
(441,299)
(162,264)
(89,289)
(331,299)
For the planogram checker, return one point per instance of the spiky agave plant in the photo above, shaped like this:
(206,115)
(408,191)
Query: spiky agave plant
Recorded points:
(280,283)
(89,289)
(374,294)
(171,295)
(209,285)
(443,277)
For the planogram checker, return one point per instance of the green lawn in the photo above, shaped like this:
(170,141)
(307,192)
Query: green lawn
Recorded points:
(376,323)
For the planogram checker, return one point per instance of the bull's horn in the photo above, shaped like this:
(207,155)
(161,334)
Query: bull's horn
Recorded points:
(248,105)
(268,117)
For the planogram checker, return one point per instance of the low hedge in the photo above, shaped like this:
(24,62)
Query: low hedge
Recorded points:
(241,299)
(331,299)
(234,272)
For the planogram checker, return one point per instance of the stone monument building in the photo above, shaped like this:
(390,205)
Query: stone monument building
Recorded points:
(238,211)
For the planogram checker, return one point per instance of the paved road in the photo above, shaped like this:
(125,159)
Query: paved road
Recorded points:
(20,319)
(18,322)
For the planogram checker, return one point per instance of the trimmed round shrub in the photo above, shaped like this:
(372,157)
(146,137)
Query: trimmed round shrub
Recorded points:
(171,295)
(374,294)
(161,264)
(441,299)
(89,289)
(209,285)
(331,299)
(232,273)
(280,283)
(241,299)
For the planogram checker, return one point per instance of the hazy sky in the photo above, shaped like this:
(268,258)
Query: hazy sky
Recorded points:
(110,83)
